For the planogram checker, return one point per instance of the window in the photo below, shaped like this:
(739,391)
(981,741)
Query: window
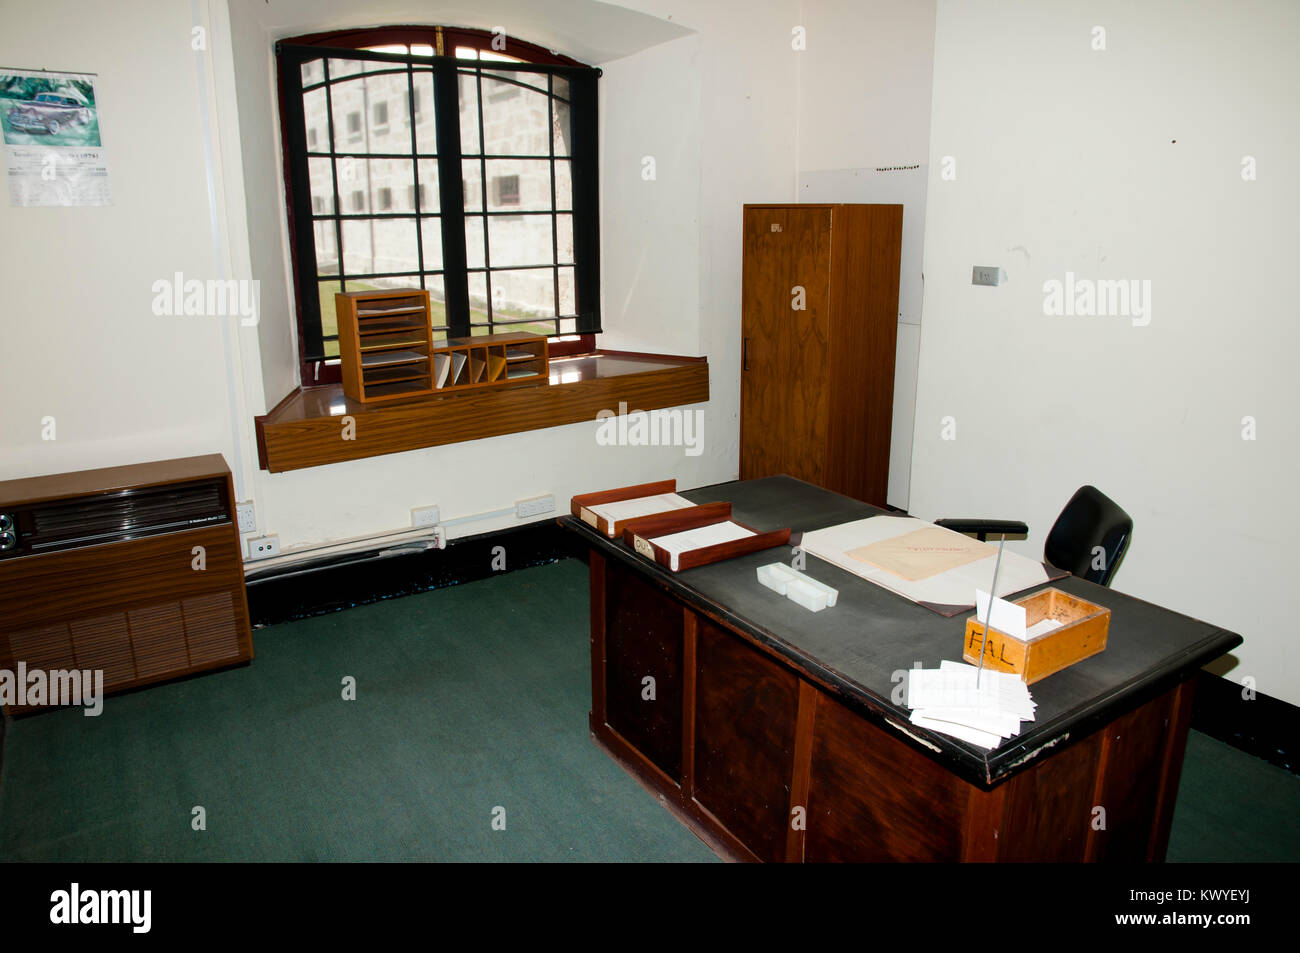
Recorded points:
(486,196)
(506,189)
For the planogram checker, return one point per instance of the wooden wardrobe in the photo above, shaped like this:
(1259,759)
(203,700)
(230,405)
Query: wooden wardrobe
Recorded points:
(819,326)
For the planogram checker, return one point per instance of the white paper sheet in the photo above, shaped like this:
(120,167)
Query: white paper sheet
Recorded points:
(1008,618)
(1041,628)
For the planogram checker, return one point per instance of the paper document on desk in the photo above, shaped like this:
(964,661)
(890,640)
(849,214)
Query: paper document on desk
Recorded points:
(844,545)
(959,700)
(711,535)
(923,553)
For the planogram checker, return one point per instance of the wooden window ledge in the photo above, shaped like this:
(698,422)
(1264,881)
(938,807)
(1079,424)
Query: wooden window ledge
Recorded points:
(306,429)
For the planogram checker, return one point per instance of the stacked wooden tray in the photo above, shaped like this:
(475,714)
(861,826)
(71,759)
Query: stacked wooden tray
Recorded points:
(679,536)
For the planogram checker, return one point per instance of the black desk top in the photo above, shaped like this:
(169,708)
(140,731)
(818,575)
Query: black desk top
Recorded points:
(856,647)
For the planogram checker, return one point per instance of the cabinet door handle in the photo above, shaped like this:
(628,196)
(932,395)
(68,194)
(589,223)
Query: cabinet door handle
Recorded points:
(744,354)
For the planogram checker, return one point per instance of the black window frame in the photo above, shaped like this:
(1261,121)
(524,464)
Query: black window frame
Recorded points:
(583,160)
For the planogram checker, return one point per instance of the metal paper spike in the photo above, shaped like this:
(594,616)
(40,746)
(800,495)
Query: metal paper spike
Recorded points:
(993,594)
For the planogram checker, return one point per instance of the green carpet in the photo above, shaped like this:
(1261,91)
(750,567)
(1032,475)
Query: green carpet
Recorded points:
(467,699)
(1233,806)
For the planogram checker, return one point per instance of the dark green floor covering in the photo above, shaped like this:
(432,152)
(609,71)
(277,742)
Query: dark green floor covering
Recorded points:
(468,699)
(1233,806)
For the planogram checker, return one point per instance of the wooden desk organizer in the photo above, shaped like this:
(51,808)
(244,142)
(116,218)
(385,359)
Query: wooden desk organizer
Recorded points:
(640,533)
(1082,634)
(580,505)
(387,350)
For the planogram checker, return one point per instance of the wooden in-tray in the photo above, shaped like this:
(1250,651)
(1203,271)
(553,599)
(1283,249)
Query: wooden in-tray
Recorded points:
(1082,633)
(581,505)
(639,534)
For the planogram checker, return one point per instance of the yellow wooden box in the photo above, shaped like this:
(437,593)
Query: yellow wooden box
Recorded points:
(1082,634)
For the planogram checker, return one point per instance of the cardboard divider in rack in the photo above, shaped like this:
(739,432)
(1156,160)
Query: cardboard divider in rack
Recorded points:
(639,535)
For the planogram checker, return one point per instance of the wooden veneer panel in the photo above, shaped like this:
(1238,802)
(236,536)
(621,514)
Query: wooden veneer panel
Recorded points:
(745,717)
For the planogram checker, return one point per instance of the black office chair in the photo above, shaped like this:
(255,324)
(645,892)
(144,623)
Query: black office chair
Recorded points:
(1089,520)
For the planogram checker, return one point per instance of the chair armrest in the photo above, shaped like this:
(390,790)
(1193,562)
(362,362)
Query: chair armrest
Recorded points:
(984,528)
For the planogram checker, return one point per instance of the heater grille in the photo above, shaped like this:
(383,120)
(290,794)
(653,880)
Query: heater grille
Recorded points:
(122,515)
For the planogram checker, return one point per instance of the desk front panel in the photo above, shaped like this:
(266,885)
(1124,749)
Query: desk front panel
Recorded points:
(643,668)
(746,710)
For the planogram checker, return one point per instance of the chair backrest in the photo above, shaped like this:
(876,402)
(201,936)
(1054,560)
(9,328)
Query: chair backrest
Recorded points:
(1089,520)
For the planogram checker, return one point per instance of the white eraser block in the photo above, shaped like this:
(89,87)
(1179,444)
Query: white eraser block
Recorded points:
(775,581)
(781,578)
(830,594)
(811,597)
(784,572)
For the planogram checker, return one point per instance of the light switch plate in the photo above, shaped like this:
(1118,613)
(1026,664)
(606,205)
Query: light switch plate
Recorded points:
(985,275)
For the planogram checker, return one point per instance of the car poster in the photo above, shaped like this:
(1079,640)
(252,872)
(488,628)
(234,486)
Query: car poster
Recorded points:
(53,150)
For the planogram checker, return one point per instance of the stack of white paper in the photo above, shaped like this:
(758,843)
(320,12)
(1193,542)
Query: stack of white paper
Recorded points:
(949,700)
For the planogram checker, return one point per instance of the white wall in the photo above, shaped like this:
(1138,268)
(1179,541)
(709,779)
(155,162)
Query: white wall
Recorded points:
(1123,164)
(864,134)
(80,342)
(650,227)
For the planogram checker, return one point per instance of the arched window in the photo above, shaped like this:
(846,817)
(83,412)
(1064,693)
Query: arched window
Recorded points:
(452,159)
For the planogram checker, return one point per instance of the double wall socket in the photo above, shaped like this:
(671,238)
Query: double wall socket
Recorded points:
(246,517)
(535,506)
(263,546)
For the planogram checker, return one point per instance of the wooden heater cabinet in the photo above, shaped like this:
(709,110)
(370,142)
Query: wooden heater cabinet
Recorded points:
(135,571)
(819,329)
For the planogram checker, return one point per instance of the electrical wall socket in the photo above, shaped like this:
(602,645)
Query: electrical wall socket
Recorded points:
(986,275)
(424,516)
(535,506)
(263,546)
(247,517)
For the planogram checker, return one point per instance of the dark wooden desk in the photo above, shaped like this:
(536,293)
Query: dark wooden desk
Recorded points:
(772,734)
